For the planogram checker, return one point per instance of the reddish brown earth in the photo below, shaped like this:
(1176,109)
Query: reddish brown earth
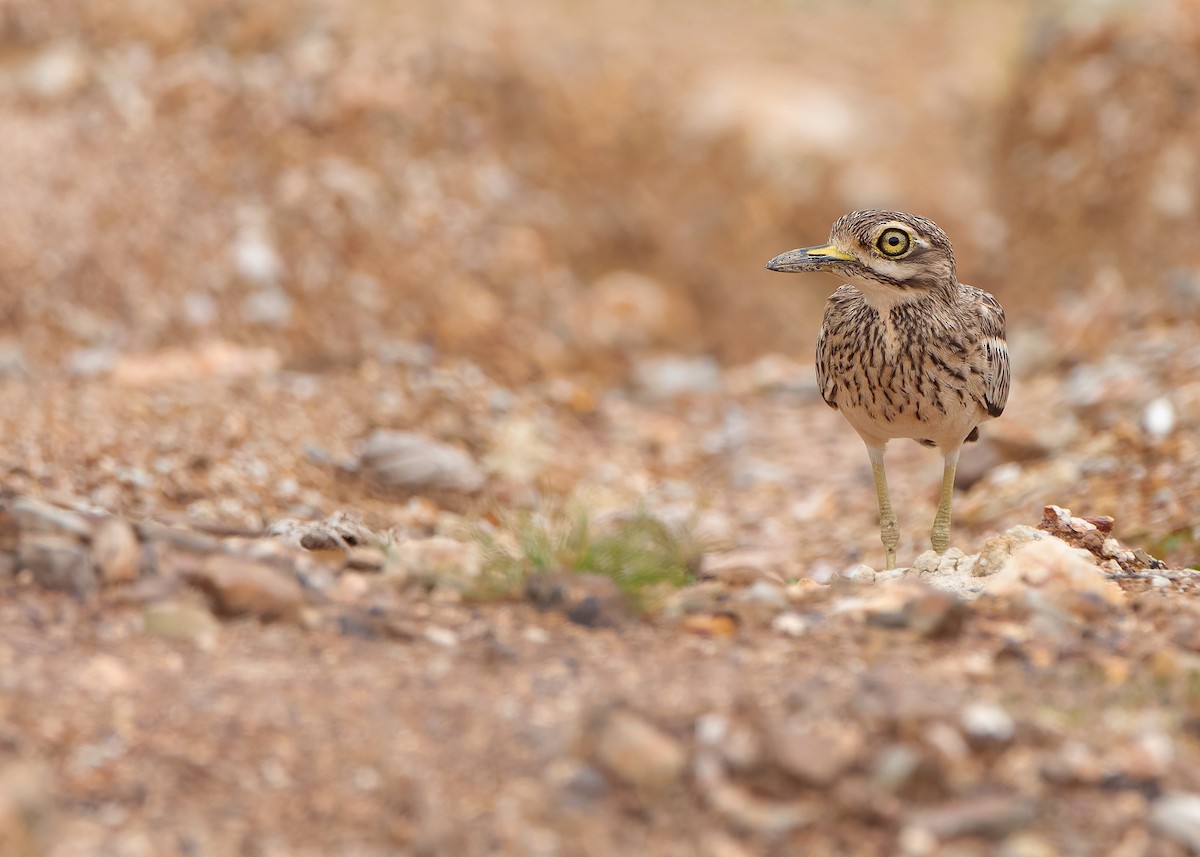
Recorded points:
(242,243)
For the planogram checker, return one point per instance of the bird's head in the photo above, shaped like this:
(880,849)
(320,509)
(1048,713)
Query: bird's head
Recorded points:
(886,254)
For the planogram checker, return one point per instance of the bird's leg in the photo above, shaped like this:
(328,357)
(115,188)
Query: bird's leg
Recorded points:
(889,530)
(939,537)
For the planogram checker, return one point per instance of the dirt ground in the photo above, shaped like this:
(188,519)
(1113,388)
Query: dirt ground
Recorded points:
(311,311)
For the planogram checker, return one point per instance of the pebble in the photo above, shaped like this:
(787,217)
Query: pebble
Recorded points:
(766,593)
(638,752)
(116,551)
(999,549)
(439,636)
(181,620)
(989,816)
(412,462)
(241,587)
(935,614)
(56,73)
(1159,418)
(861,574)
(894,767)
(36,516)
(790,624)
(1176,815)
(817,754)
(985,721)
(744,567)
(58,563)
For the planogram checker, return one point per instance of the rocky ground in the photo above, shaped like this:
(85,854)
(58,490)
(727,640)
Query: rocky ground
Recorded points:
(404,453)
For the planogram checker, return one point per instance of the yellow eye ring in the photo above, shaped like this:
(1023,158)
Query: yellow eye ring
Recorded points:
(893,242)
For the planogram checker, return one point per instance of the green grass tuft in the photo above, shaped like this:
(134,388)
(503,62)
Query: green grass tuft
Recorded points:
(644,556)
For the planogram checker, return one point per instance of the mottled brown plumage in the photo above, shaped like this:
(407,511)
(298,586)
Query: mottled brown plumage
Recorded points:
(905,350)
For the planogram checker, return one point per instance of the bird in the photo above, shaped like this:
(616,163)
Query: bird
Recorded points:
(905,349)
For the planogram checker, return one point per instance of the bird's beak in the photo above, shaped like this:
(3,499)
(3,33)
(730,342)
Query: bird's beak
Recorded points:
(809,259)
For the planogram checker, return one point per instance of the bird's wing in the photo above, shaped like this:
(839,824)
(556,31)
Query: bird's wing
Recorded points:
(995,349)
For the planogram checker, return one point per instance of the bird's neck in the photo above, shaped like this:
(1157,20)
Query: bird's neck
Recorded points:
(884,298)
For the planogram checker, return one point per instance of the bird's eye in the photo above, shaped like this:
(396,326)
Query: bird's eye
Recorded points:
(893,242)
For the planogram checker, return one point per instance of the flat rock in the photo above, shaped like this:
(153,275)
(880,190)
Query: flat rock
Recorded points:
(951,571)
(1061,576)
(36,516)
(240,587)
(817,753)
(638,752)
(991,816)
(744,567)
(181,620)
(997,550)
(57,562)
(399,460)
(1176,815)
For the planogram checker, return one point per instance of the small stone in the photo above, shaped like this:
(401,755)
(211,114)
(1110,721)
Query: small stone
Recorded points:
(950,571)
(817,754)
(58,563)
(58,72)
(35,516)
(743,567)
(935,614)
(710,624)
(406,461)
(984,721)
(364,558)
(181,620)
(861,574)
(999,549)
(439,636)
(1176,815)
(790,624)
(116,551)
(241,587)
(1159,418)
(992,817)
(895,766)
(638,752)
(341,531)
(765,593)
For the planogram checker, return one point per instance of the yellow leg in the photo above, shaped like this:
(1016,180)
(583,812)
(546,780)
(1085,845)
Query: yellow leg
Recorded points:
(939,537)
(889,530)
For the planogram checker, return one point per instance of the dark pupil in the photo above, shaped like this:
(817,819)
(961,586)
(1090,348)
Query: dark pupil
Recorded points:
(894,241)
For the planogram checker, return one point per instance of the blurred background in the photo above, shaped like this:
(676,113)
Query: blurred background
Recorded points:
(550,191)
